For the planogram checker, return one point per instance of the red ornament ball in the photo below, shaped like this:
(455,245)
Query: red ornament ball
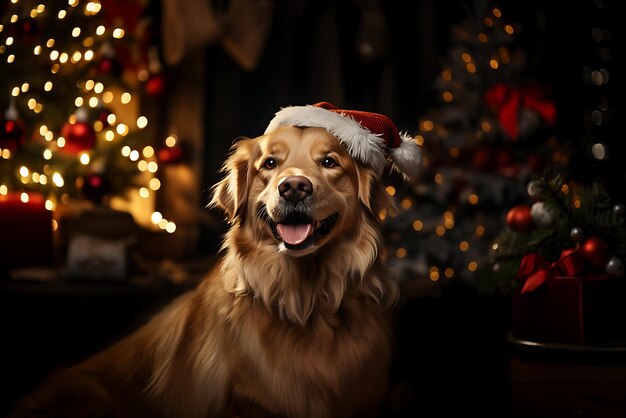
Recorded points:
(518,218)
(95,187)
(594,251)
(11,134)
(170,155)
(79,136)
(155,85)
(110,66)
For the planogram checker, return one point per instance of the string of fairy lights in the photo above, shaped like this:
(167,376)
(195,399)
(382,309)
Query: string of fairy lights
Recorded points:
(86,44)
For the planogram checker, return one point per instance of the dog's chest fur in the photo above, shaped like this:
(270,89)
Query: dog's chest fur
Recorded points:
(330,367)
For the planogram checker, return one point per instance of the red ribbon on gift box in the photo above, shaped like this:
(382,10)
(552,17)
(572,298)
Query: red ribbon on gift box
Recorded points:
(535,270)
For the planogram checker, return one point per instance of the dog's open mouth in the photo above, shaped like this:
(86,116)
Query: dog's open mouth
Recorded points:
(298,231)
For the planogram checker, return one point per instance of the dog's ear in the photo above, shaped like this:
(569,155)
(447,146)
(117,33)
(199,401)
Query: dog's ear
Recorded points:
(372,193)
(230,193)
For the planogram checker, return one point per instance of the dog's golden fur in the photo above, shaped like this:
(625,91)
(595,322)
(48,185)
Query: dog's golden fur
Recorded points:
(272,330)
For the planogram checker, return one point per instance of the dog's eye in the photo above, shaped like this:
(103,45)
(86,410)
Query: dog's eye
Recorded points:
(269,163)
(329,162)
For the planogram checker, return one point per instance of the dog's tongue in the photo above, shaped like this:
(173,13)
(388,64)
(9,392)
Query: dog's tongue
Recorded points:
(294,234)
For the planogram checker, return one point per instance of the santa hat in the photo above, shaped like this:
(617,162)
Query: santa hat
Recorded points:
(369,137)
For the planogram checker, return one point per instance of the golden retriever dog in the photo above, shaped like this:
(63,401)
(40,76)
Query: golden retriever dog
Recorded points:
(294,319)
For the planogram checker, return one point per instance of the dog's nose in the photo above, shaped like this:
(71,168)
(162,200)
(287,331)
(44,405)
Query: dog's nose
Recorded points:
(295,188)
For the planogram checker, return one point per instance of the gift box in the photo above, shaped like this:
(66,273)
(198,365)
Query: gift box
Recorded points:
(587,309)
(25,231)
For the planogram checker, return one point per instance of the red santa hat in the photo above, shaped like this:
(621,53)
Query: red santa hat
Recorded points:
(369,137)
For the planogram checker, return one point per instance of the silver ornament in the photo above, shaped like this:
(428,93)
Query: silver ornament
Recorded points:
(576,234)
(614,267)
(533,189)
(618,213)
(542,216)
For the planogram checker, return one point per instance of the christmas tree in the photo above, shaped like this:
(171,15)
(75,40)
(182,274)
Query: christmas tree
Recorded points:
(573,217)
(491,129)
(73,79)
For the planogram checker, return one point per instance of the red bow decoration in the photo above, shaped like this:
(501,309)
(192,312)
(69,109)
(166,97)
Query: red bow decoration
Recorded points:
(535,270)
(507,101)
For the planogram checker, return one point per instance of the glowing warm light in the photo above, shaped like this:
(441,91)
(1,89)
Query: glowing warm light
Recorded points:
(433,274)
(61,15)
(155,183)
(472,199)
(57,179)
(98,88)
(495,246)
(100,30)
(418,225)
(93,102)
(419,140)
(142,122)
(382,215)
(148,151)
(111,119)
(464,246)
(471,68)
(9,41)
(50,43)
(14,18)
(482,37)
(162,223)
(38,108)
(76,32)
(170,141)
(110,136)
(118,33)
(466,57)
(24,171)
(406,203)
(156,217)
(72,3)
(448,272)
(78,102)
(170,227)
(60,142)
(63,57)
(577,203)
(122,129)
(565,189)
(391,191)
(134,155)
(49,136)
(401,252)
(447,96)
(6,154)
(88,55)
(43,179)
(488,22)
(508,29)
(126,98)
(126,151)
(480,231)
(84,158)
(15,91)
(440,231)
(438,178)
(55,68)
(24,197)
(76,56)
(448,223)
(446,75)
(4,190)
(493,64)
(144,192)
(153,167)
(48,86)
(497,13)
(11,59)
(485,126)
(49,204)
(88,41)
(142,165)
(426,125)
(472,266)
(47,154)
